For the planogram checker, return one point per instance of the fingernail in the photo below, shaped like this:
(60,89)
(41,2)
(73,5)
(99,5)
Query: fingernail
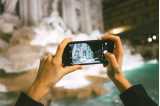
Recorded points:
(105,51)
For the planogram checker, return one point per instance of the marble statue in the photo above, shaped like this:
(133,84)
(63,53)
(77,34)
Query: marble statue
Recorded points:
(9,6)
(54,21)
(9,20)
(55,6)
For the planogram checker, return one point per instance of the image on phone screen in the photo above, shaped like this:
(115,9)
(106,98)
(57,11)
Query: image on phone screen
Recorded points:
(85,53)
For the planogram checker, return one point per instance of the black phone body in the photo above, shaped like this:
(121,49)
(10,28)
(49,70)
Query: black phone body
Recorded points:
(86,52)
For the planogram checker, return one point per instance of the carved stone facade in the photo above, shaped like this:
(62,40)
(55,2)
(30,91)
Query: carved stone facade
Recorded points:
(30,11)
(83,15)
(9,6)
(78,15)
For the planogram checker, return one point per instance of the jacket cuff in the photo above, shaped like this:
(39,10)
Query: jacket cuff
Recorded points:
(135,95)
(25,100)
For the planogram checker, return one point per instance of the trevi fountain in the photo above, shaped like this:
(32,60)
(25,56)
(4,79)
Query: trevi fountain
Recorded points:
(29,29)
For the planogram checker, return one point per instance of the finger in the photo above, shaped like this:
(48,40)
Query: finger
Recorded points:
(115,39)
(70,69)
(42,61)
(118,46)
(111,59)
(61,48)
(49,58)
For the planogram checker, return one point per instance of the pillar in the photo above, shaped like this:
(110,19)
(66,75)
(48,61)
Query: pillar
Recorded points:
(30,11)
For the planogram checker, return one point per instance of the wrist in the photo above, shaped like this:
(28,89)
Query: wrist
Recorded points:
(37,91)
(117,76)
(121,82)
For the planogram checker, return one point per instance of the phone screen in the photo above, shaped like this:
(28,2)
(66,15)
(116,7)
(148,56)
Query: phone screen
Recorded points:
(84,52)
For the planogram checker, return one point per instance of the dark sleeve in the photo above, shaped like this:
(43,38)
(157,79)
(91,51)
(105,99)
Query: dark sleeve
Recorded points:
(25,100)
(136,96)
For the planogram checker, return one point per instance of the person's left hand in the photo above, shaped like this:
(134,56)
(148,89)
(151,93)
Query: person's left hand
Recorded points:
(51,70)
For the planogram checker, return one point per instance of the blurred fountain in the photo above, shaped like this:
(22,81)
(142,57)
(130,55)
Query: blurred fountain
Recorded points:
(131,61)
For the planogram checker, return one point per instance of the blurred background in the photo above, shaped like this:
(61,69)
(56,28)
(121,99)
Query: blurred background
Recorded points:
(29,29)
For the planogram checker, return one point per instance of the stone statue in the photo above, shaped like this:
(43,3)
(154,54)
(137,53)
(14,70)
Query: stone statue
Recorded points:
(54,21)
(55,7)
(9,6)
(9,19)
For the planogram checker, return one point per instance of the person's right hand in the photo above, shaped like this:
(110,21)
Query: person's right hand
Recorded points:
(115,59)
(115,63)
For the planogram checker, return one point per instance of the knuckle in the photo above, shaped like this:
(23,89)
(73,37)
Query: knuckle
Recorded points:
(61,46)
(117,38)
(111,56)
(54,61)
(49,55)
(122,51)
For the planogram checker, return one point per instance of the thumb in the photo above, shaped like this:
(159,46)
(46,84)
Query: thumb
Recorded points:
(70,69)
(111,59)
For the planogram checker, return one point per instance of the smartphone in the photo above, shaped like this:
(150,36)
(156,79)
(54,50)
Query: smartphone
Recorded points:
(86,52)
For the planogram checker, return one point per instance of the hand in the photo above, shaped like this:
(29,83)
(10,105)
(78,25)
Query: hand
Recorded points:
(50,72)
(115,63)
(115,59)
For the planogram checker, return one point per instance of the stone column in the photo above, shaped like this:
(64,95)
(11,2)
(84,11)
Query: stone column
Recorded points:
(69,15)
(92,15)
(86,16)
(30,11)
(96,14)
